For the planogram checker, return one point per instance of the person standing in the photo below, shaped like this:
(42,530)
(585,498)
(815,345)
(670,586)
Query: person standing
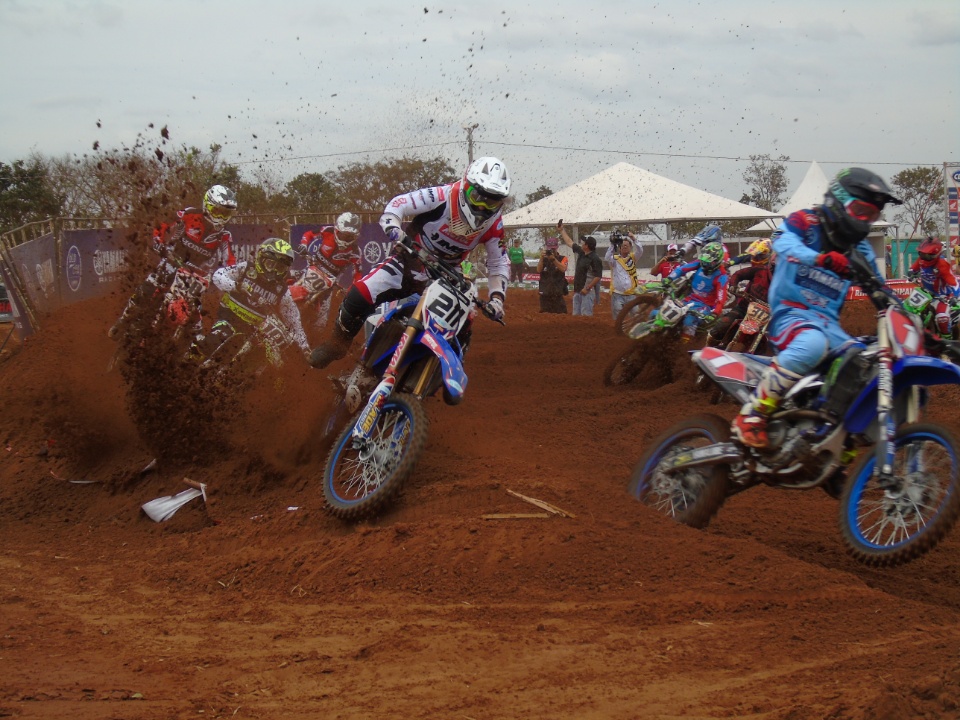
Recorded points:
(587,273)
(552,267)
(622,257)
(669,261)
(518,263)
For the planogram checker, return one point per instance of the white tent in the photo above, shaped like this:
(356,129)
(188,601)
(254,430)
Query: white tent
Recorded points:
(625,194)
(808,193)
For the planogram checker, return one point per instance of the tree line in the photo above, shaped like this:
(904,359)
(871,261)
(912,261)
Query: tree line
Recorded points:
(151,179)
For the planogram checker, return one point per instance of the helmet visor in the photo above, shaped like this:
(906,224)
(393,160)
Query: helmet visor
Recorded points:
(272,263)
(862,210)
(345,237)
(477,199)
(928,256)
(218,214)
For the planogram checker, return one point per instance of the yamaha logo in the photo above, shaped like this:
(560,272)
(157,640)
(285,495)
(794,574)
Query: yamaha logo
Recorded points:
(372,253)
(74,268)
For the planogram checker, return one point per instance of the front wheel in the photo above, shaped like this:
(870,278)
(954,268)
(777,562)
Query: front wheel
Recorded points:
(358,482)
(889,521)
(689,495)
(636,311)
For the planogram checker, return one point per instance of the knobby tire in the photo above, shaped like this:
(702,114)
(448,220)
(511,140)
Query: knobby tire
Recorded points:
(868,511)
(691,496)
(343,465)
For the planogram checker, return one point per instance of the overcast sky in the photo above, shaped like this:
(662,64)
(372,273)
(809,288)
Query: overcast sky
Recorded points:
(559,91)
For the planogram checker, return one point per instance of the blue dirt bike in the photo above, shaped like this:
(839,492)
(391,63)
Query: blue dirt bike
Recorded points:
(852,427)
(414,348)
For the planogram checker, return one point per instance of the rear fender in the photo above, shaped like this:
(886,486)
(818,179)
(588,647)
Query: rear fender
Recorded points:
(908,372)
(736,373)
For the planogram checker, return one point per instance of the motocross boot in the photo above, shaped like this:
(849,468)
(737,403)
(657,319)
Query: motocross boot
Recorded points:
(750,426)
(354,311)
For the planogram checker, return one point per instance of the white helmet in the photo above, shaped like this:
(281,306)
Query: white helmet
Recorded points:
(219,205)
(347,229)
(485,186)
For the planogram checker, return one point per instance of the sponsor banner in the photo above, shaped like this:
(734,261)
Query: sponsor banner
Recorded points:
(901,287)
(246,238)
(951,182)
(91,264)
(35,261)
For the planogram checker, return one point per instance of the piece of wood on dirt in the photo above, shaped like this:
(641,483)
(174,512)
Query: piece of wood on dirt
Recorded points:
(542,504)
(514,516)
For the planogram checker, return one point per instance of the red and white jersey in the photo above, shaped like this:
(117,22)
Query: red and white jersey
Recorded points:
(194,242)
(327,255)
(437,224)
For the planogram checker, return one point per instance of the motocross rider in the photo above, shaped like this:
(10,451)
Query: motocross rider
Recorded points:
(708,287)
(809,288)
(710,233)
(252,291)
(934,275)
(448,221)
(197,242)
(758,276)
(329,250)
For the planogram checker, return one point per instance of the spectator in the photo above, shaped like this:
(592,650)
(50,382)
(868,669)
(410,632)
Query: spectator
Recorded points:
(587,274)
(518,263)
(670,261)
(622,257)
(956,255)
(552,267)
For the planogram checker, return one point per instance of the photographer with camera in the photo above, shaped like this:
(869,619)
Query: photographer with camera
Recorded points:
(552,267)
(622,258)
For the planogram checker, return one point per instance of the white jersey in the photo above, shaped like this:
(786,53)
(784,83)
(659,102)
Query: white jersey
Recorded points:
(233,279)
(437,224)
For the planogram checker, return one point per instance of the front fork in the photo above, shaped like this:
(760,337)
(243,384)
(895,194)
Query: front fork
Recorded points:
(887,424)
(367,421)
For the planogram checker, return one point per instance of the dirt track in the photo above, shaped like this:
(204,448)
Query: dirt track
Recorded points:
(255,610)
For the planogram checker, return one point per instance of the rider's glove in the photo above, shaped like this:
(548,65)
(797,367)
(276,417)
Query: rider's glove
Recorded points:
(709,318)
(397,235)
(495,307)
(913,274)
(666,283)
(834,261)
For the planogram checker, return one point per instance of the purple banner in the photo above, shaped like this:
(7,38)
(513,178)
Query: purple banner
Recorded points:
(91,264)
(35,261)
(373,245)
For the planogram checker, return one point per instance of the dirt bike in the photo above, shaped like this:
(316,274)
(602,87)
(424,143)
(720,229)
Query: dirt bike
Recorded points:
(174,310)
(416,348)
(923,304)
(649,295)
(665,326)
(852,427)
(269,335)
(317,290)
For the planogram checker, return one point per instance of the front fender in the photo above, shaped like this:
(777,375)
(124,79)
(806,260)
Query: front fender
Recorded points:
(907,372)
(454,377)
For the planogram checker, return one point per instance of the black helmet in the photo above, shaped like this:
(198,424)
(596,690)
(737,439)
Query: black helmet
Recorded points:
(852,203)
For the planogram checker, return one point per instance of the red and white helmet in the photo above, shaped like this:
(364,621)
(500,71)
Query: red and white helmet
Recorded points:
(485,186)
(347,229)
(673,250)
(929,252)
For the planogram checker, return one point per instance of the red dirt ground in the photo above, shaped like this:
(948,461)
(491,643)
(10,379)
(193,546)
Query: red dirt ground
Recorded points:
(262,606)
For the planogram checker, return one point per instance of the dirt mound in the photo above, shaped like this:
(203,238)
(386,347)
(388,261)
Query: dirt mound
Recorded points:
(261,605)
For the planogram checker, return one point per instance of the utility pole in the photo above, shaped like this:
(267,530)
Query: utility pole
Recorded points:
(470,129)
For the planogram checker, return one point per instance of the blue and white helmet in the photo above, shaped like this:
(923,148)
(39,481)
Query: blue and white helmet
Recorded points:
(710,233)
